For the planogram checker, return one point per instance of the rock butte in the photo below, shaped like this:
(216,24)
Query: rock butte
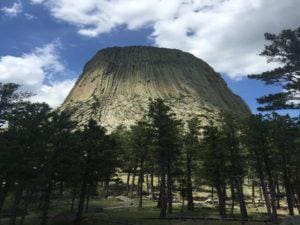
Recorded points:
(116,84)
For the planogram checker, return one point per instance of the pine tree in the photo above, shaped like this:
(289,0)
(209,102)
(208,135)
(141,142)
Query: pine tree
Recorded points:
(214,160)
(10,99)
(283,131)
(231,143)
(97,160)
(166,132)
(284,49)
(56,155)
(191,146)
(126,155)
(25,136)
(142,141)
(256,141)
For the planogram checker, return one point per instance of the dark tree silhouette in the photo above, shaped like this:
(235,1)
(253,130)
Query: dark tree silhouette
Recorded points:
(166,132)
(191,146)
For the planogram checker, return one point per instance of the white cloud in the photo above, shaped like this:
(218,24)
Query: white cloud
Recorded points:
(14,10)
(30,16)
(35,72)
(55,93)
(228,34)
(37,1)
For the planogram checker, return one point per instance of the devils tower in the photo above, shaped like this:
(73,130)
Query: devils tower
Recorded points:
(116,84)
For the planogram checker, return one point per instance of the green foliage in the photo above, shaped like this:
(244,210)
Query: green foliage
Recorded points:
(284,49)
(191,146)
(166,129)
(230,130)
(192,136)
(10,97)
(142,139)
(125,152)
(45,157)
(273,154)
(97,156)
(21,154)
(215,165)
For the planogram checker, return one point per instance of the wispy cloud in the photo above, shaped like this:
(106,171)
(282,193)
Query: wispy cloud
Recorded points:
(13,10)
(29,16)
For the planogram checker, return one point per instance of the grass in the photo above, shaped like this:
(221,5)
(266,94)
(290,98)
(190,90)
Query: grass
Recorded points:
(114,211)
(126,214)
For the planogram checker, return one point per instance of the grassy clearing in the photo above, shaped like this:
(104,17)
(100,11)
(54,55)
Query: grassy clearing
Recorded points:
(114,211)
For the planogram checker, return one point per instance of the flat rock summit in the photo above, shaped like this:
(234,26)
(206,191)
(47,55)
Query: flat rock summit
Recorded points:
(116,84)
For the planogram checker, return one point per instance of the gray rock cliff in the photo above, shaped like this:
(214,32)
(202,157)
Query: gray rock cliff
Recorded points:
(116,84)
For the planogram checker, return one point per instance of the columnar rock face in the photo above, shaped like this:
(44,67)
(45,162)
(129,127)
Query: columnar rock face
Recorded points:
(116,84)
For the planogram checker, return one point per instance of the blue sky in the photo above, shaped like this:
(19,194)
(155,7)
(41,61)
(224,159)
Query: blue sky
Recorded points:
(45,43)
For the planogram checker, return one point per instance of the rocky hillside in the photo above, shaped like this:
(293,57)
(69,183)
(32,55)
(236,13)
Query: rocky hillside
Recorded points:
(116,84)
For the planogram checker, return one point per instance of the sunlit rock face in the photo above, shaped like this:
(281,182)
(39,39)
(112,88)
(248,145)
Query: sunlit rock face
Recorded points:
(116,84)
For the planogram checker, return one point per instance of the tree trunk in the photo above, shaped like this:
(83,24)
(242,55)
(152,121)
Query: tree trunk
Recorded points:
(3,193)
(106,188)
(132,181)
(152,184)
(87,199)
(241,198)
(147,184)
(73,201)
(277,193)
(297,193)
(260,193)
(82,196)
(253,193)
(271,188)
(296,202)
(26,205)
(263,185)
(41,200)
(61,188)
(182,205)
(232,197)
(296,198)
(159,199)
(189,185)
(169,188)
(15,207)
(141,180)
(46,204)
(158,180)
(264,191)
(288,194)
(127,183)
(222,198)
(163,199)
(287,182)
